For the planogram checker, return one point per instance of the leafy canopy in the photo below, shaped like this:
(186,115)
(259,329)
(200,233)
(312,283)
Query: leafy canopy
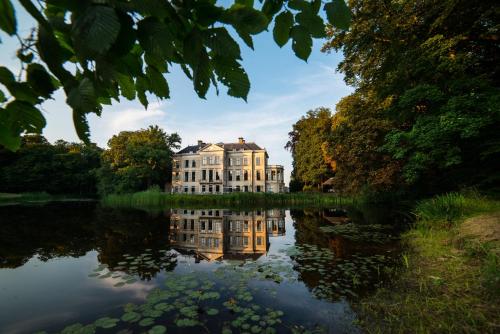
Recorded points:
(101,50)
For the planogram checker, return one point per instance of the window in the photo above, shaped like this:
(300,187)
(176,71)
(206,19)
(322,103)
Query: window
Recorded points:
(177,164)
(186,176)
(216,243)
(186,163)
(203,188)
(230,161)
(193,189)
(191,238)
(185,189)
(245,226)
(273,175)
(210,225)
(202,228)
(211,160)
(193,164)
(217,160)
(184,237)
(193,176)
(230,175)
(210,188)
(258,189)
(202,241)
(204,174)
(245,175)
(245,189)
(192,224)
(245,241)
(185,226)
(217,188)
(258,175)
(257,161)
(238,175)
(238,188)
(238,161)
(217,226)
(259,226)
(259,241)
(204,161)
(245,161)
(217,176)
(210,175)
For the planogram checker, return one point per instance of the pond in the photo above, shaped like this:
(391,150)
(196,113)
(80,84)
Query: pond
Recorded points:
(83,268)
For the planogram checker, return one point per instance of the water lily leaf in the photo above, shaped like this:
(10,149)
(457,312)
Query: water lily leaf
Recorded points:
(158,329)
(146,322)
(131,317)
(212,311)
(106,322)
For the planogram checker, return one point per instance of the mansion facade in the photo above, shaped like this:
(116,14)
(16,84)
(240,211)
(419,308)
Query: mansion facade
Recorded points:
(225,167)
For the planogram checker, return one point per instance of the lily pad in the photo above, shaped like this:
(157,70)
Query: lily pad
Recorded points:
(146,322)
(106,322)
(158,329)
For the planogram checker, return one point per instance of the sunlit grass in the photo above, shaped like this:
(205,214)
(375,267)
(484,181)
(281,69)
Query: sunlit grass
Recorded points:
(446,284)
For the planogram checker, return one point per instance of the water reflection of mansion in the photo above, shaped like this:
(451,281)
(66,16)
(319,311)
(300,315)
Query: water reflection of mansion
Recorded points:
(214,233)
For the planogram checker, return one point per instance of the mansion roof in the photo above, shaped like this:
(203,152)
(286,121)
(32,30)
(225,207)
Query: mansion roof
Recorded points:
(226,146)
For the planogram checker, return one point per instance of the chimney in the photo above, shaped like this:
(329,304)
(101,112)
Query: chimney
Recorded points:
(241,140)
(200,142)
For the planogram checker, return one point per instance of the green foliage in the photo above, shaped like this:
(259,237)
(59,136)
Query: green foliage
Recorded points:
(137,160)
(99,51)
(449,209)
(38,166)
(426,111)
(305,142)
(155,199)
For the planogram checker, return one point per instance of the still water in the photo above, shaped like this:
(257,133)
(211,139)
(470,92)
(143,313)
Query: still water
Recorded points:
(82,268)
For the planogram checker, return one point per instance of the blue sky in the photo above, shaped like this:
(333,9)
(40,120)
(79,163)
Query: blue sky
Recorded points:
(283,88)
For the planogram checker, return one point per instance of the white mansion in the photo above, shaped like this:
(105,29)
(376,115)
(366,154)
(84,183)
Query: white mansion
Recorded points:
(225,167)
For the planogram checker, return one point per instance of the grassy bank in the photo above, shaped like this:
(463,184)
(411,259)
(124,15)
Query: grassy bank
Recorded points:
(157,199)
(450,280)
(35,197)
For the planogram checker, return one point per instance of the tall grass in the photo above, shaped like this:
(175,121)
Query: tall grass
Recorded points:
(446,210)
(157,199)
(24,197)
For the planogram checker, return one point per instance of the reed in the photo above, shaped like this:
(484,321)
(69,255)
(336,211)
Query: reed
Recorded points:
(157,199)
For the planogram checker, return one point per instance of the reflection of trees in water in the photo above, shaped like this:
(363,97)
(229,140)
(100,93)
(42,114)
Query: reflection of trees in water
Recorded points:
(356,254)
(73,229)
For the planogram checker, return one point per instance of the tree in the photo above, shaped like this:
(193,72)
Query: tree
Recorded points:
(352,149)
(137,160)
(427,73)
(38,166)
(99,51)
(306,139)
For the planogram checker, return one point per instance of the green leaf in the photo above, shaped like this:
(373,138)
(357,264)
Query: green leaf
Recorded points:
(201,75)
(338,14)
(83,96)
(40,80)
(95,31)
(127,86)
(246,19)
(283,25)
(246,38)
(307,18)
(232,75)
(6,76)
(220,42)
(7,17)
(248,3)
(302,42)
(157,83)
(298,4)
(25,116)
(271,7)
(141,85)
(126,37)
(81,125)
(155,37)
(193,44)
